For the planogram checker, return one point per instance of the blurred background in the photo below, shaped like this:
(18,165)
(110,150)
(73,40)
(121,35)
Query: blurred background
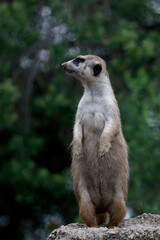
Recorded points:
(38,104)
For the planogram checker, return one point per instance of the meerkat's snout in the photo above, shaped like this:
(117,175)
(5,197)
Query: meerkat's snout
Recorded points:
(67,67)
(63,65)
(70,68)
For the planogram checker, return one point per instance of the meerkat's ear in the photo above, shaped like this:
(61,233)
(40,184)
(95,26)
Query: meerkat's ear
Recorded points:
(97,69)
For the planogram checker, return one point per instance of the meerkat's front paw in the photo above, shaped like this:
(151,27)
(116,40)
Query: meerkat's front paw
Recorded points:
(103,151)
(78,156)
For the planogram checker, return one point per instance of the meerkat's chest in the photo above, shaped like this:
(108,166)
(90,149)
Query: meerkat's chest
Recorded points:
(93,122)
(92,114)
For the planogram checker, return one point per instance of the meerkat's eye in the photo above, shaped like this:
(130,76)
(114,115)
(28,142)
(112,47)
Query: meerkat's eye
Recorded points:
(78,60)
(97,69)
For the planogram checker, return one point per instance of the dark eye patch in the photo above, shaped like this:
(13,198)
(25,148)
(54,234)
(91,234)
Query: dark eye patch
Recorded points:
(78,60)
(97,69)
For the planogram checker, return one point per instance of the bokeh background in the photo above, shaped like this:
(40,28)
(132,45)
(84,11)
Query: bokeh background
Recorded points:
(38,103)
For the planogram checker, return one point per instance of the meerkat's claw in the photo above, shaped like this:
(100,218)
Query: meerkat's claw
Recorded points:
(78,157)
(103,153)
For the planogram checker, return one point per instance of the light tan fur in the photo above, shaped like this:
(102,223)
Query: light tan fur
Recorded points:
(100,162)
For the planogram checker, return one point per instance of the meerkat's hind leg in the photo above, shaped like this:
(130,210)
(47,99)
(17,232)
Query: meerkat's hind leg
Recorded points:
(87,211)
(117,211)
(101,218)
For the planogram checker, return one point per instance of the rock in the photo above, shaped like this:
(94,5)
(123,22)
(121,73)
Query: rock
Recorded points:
(143,227)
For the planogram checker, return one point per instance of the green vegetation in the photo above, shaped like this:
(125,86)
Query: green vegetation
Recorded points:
(38,103)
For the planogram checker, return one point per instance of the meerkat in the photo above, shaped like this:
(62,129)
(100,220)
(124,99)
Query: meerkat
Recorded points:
(99,151)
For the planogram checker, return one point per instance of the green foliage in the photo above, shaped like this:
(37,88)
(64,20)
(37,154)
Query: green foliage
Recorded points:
(8,96)
(38,103)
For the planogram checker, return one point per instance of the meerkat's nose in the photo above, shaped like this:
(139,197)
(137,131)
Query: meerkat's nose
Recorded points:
(63,65)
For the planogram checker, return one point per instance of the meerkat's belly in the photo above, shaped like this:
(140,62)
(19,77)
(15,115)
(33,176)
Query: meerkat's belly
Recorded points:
(93,125)
(95,172)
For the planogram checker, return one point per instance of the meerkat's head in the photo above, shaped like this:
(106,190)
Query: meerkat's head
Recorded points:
(86,68)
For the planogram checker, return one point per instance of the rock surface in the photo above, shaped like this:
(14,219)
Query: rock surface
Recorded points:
(143,227)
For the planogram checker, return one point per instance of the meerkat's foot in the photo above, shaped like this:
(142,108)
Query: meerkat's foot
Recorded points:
(117,210)
(103,225)
(103,152)
(101,219)
(87,211)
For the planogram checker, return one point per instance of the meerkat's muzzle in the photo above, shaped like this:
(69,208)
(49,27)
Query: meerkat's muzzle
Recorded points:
(63,65)
(67,68)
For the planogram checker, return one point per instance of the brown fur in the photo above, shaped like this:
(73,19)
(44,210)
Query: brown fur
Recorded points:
(100,161)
